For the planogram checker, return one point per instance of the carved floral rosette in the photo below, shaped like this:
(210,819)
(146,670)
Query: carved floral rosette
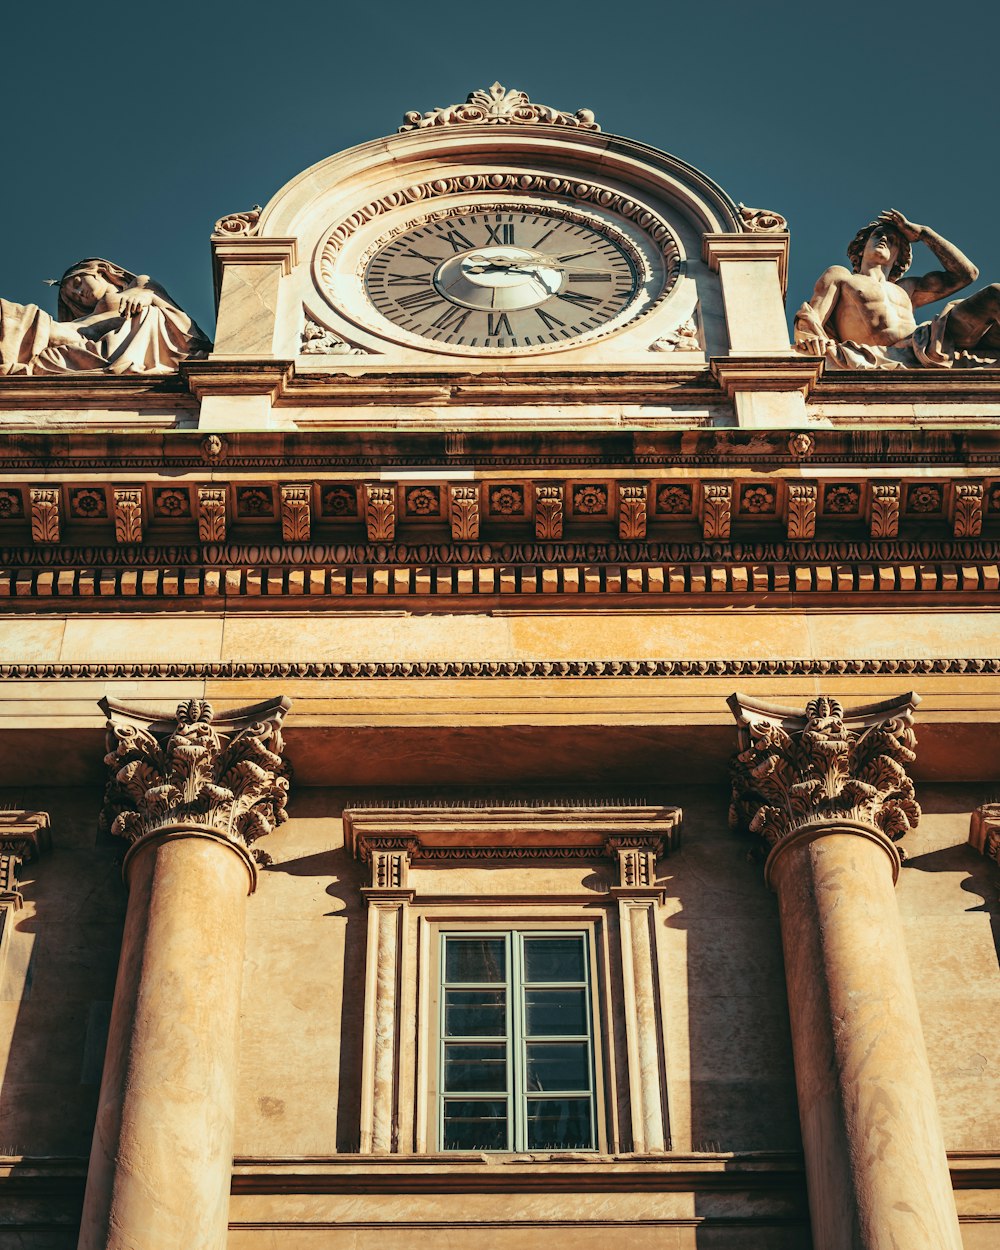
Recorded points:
(226,774)
(794,770)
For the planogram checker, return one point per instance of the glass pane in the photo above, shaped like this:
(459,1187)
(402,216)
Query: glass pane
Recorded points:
(480,1069)
(475,959)
(555,1013)
(554,959)
(475,1124)
(475,1013)
(557,1065)
(559,1124)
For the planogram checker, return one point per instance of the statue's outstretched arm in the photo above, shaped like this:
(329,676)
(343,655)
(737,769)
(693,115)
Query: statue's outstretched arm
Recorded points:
(958,270)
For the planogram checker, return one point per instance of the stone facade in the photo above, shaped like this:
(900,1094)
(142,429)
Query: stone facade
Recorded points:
(400,641)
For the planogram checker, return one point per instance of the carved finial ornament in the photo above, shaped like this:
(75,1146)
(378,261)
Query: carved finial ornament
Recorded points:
(496,106)
(238,225)
(227,773)
(794,770)
(761,220)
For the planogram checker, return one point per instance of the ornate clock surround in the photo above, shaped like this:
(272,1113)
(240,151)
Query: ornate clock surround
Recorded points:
(342,256)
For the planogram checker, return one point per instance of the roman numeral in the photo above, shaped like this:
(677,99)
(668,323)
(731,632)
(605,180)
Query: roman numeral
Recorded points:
(500,234)
(457,240)
(451,320)
(430,260)
(419,301)
(590,277)
(498,324)
(582,301)
(407,279)
(548,320)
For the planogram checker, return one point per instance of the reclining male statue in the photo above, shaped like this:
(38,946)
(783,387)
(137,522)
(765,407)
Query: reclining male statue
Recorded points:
(108,319)
(864,319)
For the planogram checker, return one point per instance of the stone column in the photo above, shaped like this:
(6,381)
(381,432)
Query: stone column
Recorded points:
(829,794)
(638,900)
(190,795)
(388,898)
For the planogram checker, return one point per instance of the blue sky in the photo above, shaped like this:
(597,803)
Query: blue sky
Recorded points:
(130,129)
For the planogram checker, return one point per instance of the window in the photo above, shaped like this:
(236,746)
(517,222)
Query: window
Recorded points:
(516,1053)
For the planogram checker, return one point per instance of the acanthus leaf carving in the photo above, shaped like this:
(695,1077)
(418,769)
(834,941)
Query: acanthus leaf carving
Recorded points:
(969,503)
(682,339)
(128,514)
(380,512)
(212,514)
(794,770)
(632,510)
(801,510)
(227,775)
(238,225)
(44,514)
(464,512)
(296,513)
(717,510)
(885,509)
(317,340)
(498,106)
(548,511)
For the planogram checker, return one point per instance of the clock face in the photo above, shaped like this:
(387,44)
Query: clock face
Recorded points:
(506,278)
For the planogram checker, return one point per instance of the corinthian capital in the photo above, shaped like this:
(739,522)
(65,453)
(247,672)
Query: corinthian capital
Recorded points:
(223,772)
(795,769)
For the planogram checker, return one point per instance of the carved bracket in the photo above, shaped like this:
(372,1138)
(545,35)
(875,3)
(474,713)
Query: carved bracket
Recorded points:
(296,519)
(795,769)
(548,511)
(380,512)
(226,773)
(212,514)
(44,514)
(128,514)
(801,510)
(717,510)
(632,510)
(464,513)
(970,500)
(24,837)
(984,831)
(885,509)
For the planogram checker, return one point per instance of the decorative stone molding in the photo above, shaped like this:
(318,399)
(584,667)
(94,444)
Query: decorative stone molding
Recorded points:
(296,515)
(984,830)
(212,514)
(351,670)
(548,511)
(464,513)
(797,769)
(885,509)
(380,512)
(498,106)
(238,225)
(801,445)
(970,501)
(224,773)
(44,514)
(761,220)
(24,837)
(427,834)
(717,510)
(128,514)
(632,510)
(801,510)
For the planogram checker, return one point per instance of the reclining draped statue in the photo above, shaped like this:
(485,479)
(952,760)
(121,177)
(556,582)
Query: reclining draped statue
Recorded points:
(864,319)
(108,320)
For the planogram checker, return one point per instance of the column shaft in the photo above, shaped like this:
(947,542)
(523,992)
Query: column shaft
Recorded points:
(875,1159)
(161,1160)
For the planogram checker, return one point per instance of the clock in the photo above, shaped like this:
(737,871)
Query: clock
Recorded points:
(504,275)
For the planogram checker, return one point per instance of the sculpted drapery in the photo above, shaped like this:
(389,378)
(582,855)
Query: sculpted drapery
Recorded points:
(109,320)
